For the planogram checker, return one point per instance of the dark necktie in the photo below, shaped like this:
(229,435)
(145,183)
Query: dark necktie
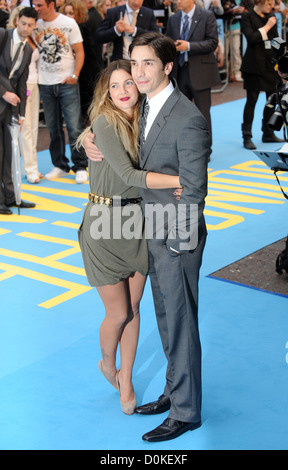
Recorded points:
(184,37)
(143,123)
(15,58)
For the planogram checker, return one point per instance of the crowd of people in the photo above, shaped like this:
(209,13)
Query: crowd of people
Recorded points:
(102,33)
(136,104)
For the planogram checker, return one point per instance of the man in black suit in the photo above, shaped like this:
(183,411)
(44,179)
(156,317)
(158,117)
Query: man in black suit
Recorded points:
(13,89)
(4,16)
(196,67)
(123,23)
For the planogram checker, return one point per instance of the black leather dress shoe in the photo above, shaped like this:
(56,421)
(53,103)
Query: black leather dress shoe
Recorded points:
(23,204)
(169,429)
(4,210)
(155,407)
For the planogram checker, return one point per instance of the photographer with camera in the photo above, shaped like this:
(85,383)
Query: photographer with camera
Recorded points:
(259,27)
(280,97)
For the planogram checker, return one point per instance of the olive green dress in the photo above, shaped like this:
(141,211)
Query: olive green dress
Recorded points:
(112,239)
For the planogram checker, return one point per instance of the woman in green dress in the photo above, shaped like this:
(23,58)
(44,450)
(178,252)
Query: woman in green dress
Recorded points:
(112,240)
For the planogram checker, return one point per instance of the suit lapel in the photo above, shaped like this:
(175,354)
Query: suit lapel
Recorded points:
(140,17)
(158,124)
(195,21)
(24,60)
(7,50)
(178,17)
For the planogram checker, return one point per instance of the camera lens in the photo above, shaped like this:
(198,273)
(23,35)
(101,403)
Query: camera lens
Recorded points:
(276,121)
(283,64)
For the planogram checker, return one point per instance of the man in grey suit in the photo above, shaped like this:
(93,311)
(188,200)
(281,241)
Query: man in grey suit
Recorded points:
(175,140)
(194,29)
(14,70)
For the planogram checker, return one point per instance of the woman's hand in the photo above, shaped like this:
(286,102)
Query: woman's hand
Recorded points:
(270,23)
(92,152)
(178,193)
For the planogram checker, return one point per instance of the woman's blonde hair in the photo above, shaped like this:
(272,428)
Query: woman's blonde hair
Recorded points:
(80,10)
(14,16)
(125,127)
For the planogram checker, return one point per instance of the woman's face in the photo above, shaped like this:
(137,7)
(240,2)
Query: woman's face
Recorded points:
(267,6)
(69,11)
(3,5)
(106,5)
(123,91)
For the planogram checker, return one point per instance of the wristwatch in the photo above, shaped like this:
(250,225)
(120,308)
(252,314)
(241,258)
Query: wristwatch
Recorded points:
(74,76)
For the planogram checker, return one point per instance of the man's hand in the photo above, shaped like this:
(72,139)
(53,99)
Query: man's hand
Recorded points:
(11,98)
(123,27)
(120,26)
(70,80)
(92,152)
(182,46)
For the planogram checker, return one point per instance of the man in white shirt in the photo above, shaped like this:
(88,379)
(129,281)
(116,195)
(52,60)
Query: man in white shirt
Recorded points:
(14,67)
(61,59)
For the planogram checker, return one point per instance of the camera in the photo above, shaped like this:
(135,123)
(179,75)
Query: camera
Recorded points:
(280,117)
(278,46)
(280,60)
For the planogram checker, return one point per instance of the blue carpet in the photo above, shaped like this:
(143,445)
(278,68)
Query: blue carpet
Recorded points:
(52,395)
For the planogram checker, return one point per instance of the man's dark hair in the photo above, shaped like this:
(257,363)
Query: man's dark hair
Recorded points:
(51,1)
(28,12)
(164,47)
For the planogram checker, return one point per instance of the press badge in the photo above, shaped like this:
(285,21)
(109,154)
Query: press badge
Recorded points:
(267,44)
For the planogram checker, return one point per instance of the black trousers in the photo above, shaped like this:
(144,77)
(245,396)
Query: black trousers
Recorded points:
(6,185)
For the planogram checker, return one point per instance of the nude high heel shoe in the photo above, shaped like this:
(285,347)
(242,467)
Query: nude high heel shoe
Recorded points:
(128,407)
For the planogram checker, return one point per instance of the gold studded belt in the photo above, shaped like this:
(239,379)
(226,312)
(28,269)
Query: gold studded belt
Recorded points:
(110,201)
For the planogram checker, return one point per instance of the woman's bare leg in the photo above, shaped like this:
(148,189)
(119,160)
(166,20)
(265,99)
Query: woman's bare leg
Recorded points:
(121,324)
(115,299)
(129,338)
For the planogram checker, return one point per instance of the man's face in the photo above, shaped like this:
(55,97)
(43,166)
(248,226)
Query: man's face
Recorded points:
(148,72)
(185,5)
(43,9)
(25,27)
(135,4)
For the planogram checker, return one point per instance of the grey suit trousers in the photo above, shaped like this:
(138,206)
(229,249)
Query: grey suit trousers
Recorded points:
(174,281)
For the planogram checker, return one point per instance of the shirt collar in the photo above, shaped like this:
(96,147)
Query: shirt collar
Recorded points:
(129,10)
(190,13)
(16,39)
(158,100)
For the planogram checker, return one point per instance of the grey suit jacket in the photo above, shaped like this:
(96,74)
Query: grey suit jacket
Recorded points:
(18,85)
(203,39)
(178,144)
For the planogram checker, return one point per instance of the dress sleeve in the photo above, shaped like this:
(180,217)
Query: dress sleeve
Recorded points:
(115,154)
